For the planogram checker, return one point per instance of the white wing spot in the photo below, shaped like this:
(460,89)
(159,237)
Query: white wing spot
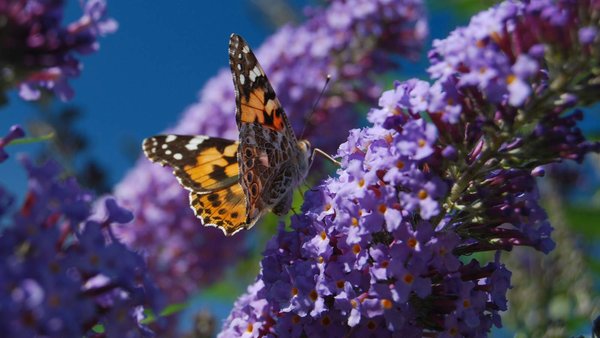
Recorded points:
(242,78)
(254,73)
(164,146)
(178,156)
(171,138)
(193,144)
(168,152)
(240,56)
(239,66)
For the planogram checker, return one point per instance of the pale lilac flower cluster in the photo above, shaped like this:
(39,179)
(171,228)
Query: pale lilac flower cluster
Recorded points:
(376,250)
(38,53)
(62,271)
(352,40)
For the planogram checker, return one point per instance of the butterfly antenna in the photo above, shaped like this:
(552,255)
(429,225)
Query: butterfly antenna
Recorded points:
(307,118)
(326,155)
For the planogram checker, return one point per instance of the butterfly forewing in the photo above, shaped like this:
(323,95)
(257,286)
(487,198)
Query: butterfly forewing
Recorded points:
(268,147)
(255,98)
(201,164)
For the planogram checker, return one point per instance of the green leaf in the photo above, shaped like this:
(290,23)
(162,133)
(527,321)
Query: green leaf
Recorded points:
(30,140)
(583,219)
(98,328)
(169,310)
(462,8)
(173,308)
(224,290)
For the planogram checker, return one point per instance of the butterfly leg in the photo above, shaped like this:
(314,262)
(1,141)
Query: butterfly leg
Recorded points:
(294,211)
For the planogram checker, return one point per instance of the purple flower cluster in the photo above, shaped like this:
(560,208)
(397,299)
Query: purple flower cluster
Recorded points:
(38,53)
(352,40)
(62,271)
(501,59)
(447,170)
(366,257)
(14,133)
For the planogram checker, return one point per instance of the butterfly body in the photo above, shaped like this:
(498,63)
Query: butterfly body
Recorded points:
(233,183)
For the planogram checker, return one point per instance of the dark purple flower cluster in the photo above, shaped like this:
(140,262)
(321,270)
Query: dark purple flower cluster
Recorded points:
(37,52)
(62,271)
(447,170)
(14,133)
(352,40)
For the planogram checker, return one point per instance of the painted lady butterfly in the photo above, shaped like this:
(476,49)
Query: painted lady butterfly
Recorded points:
(232,184)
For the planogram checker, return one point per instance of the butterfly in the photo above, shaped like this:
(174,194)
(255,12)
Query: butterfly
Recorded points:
(233,183)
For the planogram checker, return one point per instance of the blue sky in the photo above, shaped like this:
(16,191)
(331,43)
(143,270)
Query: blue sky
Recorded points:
(150,70)
(144,75)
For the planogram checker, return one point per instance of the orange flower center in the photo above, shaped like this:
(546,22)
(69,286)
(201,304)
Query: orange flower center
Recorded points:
(382,208)
(510,79)
(408,278)
(412,242)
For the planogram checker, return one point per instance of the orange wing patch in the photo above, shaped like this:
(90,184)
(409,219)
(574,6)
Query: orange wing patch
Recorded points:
(254,109)
(225,208)
(215,168)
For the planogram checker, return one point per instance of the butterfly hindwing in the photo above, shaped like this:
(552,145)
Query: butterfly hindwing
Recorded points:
(201,164)
(224,208)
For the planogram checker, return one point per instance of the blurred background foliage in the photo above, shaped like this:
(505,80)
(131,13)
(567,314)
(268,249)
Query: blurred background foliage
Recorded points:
(552,296)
